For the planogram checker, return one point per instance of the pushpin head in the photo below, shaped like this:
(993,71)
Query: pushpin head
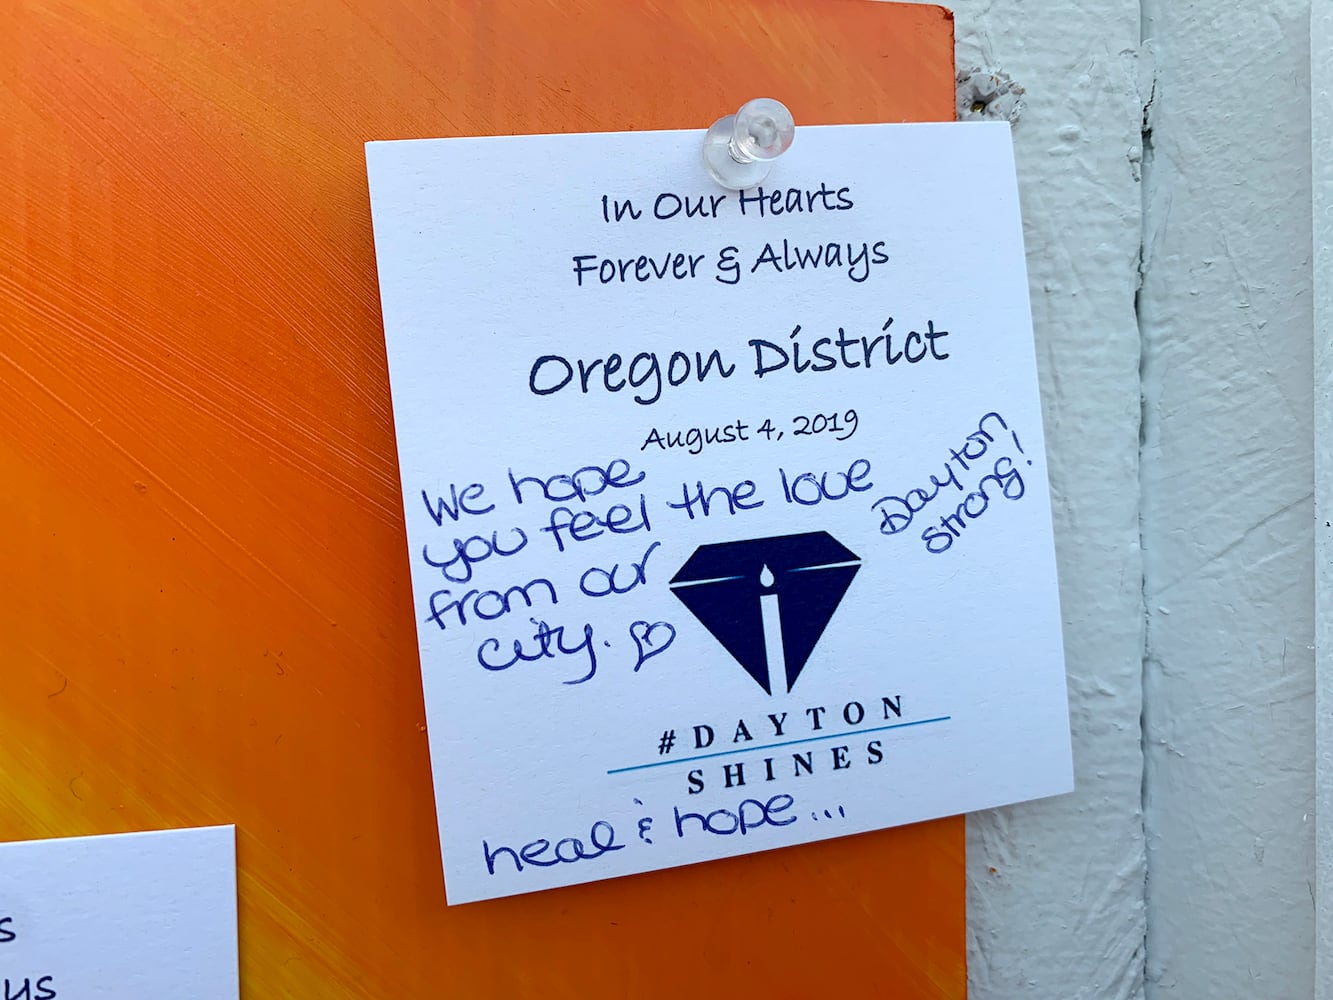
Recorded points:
(739,149)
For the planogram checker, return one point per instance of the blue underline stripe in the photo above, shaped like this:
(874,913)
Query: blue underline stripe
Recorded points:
(775,746)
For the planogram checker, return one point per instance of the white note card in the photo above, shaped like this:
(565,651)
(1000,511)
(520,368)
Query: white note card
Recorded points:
(130,915)
(727,512)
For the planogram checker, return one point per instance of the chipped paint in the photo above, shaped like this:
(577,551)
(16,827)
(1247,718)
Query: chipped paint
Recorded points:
(988,95)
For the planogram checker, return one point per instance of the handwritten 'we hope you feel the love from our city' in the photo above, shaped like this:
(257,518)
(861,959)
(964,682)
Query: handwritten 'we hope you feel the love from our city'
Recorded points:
(727,511)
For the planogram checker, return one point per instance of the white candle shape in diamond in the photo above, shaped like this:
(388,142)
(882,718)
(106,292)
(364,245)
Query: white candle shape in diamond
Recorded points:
(773,649)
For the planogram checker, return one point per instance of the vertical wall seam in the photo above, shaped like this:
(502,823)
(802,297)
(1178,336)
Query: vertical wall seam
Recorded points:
(1144,262)
(1222,357)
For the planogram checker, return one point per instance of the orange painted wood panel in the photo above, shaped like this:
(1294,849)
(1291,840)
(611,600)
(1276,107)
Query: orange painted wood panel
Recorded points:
(206,614)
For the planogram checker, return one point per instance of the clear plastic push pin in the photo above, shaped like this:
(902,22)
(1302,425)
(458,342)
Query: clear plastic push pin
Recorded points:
(739,149)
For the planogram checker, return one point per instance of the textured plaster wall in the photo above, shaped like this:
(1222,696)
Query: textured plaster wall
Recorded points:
(1055,889)
(1227,489)
(1179,419)
(1321,119)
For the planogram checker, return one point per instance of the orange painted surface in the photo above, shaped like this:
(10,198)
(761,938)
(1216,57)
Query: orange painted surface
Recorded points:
(206,615)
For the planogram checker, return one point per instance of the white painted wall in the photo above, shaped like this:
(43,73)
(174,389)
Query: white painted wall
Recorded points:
(1202,531)
(1321,120)
(1055,889)
(1227,490)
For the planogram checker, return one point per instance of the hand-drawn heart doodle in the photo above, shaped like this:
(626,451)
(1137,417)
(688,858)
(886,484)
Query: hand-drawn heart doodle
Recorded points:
(648,647)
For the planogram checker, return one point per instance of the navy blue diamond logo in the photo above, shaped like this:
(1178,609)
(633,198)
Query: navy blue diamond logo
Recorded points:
(768,600)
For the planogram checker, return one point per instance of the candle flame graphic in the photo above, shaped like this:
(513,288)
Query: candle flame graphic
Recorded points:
(766,577)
